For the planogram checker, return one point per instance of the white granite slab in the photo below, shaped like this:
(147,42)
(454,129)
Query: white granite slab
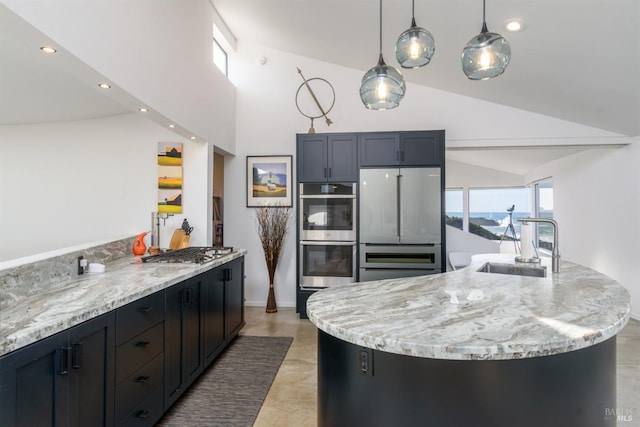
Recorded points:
(497,316)
(58,308)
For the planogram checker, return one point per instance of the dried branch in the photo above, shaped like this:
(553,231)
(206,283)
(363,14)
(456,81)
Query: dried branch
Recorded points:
(272,224)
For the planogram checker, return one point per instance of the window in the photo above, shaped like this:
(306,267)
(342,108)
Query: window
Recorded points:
(544,209)
(454,208)
(220,57)
(489,211)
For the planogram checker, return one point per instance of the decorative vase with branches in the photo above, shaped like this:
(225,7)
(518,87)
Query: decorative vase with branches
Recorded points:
(272,224)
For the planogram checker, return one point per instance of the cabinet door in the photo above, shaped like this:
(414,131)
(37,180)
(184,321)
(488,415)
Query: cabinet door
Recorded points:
(213,314)
(379,149)
(34,384)
(422,148)
(342,154)
(183,353)
(234,289)
(91,379)
(312,158)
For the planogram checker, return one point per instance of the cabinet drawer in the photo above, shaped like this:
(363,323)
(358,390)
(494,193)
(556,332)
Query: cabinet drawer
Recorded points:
(139,316)
(138,386)
(139,350)
(147,413)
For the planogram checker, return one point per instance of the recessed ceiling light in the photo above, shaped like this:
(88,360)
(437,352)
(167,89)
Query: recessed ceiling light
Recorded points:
(104,85)
(193,138)
(48,49)
(172,126)
(143,110)
(514,25)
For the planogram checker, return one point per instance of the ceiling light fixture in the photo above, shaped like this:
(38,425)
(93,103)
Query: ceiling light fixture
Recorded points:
(486,55)
(415,47)
(48,49)
(514,25)
(143,110)
(383,86)
(104,85)
(172,126)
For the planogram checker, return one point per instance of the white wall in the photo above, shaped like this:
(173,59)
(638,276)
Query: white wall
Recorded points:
(267,121)
(66,184)
(597,205)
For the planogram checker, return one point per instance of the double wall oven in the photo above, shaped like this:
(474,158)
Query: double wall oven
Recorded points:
(327,231)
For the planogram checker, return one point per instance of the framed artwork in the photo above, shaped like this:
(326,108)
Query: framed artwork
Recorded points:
(169,178)
(269,181)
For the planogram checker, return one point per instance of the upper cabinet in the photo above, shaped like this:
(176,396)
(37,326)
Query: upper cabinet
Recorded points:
(327,157)
(416,148)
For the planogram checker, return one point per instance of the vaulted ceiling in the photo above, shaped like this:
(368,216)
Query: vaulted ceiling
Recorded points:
(578,60)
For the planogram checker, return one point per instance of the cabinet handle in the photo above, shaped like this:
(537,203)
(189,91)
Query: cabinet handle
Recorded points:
(142,344)
(76,355)
(63,361)
(142,414)
(329,172)
(226,275)
(142,379)
(187,296)
(144,309)
(325,172)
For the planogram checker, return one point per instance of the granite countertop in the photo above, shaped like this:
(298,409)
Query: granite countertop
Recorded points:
(90,295)
(498,316)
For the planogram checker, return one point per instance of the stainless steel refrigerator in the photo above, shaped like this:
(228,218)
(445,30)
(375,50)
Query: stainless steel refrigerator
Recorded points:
(400,222)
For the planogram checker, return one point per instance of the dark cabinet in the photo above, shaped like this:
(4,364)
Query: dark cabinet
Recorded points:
(66,379)
(183,355)
(140,361)
(223,307)
(416,148)
(327,157)
(233,275)
(213,315)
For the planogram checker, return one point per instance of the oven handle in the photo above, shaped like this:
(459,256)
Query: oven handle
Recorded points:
(328,196)
(326,243)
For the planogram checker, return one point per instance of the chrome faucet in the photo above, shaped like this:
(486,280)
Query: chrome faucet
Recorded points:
(555,253)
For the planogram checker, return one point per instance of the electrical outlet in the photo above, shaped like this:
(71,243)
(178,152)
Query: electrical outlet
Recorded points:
(365,361)
(80,266)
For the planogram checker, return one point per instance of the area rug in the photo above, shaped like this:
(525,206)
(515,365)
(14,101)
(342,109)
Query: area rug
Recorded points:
(231,391)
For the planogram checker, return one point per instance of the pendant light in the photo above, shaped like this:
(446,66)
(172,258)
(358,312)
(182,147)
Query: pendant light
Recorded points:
(415,47)
(383,86)
(486,55)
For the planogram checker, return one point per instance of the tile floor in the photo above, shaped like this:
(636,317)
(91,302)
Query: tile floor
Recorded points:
(292,398)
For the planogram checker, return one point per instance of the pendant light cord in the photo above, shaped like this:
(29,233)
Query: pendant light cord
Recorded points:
(484,19)
(381,28)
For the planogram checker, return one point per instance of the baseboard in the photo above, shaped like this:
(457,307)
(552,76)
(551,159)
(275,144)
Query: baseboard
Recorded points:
(288,304)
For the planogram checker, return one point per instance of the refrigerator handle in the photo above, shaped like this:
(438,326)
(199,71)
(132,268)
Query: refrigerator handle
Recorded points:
(399,203)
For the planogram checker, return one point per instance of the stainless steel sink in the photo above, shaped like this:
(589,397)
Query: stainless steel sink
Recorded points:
(513,269)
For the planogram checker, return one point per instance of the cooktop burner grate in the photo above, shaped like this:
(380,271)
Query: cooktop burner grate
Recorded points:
(194,255)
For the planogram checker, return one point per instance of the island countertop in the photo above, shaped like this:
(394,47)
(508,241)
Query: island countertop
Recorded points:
(90,295)
(497,316)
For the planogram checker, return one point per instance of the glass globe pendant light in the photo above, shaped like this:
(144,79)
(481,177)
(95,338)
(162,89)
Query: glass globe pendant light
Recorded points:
(415,47)
(486,55)
(382,87)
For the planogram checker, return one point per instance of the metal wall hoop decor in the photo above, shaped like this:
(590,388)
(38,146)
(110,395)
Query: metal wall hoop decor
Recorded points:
(326,95)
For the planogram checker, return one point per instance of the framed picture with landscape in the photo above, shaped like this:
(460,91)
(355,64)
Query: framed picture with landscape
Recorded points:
(269,181)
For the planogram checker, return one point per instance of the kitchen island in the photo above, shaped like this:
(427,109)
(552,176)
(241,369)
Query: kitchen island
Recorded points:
(511,350)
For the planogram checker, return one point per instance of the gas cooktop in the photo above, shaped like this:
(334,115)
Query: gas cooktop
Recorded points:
(194,255)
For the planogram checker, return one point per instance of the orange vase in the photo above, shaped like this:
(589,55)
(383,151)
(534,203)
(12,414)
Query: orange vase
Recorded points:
(139,248)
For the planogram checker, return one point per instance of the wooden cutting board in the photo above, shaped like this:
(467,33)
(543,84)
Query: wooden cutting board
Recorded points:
(179,239)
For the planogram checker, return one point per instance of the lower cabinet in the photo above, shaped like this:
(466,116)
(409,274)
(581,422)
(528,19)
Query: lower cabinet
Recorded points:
(222,307)
(128,366)
(183,355)
(64,380)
